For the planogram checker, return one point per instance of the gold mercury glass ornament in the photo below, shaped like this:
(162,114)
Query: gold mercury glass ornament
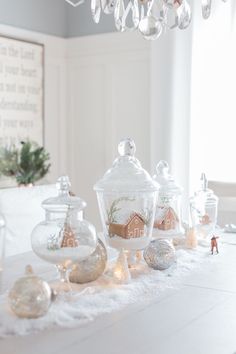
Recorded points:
(30,296)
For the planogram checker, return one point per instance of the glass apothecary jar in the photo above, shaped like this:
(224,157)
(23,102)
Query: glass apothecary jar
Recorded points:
(203,209)
(2,242)
(127,200)
(168,217)
(63,238)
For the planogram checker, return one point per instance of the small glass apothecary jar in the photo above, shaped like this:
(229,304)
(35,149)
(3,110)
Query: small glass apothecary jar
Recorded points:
(2,243)
(203,209)
(168,218)
(127,200)
(64,238)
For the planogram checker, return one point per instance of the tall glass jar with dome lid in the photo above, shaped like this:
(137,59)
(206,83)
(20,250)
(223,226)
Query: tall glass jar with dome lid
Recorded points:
(127,201)
(203,209)
(168,217)
(63,238)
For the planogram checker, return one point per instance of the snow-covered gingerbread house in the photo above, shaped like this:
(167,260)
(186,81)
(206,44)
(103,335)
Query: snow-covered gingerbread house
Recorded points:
(205,219)
(166,219)
(68,237)
(132,228)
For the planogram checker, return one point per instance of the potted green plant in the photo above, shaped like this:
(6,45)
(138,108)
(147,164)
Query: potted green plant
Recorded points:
(27,164)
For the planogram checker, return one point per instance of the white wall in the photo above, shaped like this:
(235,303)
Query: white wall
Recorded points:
(55,92)
(99,89)
(109,92)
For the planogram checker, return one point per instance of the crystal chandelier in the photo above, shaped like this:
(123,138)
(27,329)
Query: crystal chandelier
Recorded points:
(149,17)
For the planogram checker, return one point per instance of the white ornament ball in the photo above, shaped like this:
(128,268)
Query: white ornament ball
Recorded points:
(159,254)
(30,296)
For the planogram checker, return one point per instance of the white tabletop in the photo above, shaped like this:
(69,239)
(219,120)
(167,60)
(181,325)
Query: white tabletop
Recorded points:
(197,318)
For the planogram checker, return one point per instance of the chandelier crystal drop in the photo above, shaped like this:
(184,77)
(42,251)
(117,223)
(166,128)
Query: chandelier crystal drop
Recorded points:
(150,17)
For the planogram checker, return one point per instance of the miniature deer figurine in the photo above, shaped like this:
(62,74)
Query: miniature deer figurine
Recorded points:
(214,244)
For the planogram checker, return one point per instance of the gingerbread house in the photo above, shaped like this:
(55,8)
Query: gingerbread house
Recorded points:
(205,220)
(133,228)
(68,237)
(167,219)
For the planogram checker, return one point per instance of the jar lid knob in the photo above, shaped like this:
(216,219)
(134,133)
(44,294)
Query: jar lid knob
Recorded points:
(126,147)
(204,181)
(63,184)
(162,168)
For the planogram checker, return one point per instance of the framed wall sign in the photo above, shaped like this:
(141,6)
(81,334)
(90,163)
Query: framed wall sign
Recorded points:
(21,91)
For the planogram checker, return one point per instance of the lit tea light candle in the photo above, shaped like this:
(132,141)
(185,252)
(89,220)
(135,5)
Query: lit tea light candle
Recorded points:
(191,238)
(121,271)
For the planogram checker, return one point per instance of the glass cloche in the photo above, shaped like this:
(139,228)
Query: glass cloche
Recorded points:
(127,201)
(62,238)
(2,241)
(203,209)
(168,218)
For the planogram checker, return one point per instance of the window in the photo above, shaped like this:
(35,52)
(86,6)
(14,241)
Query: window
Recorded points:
(213,95)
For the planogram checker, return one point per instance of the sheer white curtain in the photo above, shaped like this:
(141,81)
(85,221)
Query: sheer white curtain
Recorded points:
(213,94)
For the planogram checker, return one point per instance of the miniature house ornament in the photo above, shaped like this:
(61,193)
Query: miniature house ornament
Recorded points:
(127,201)
(167,222)
(203,209)
(64,238)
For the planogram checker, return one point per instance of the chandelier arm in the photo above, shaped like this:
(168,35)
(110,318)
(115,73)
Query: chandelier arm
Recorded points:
(74,4)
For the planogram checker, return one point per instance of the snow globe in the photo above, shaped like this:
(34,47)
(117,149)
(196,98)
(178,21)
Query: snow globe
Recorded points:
(127,201)
(168,223)
(203,209)
(63,238)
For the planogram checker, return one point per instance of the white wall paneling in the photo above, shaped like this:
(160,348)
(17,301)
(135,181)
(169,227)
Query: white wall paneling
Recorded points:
(109,99)
(55,89)
(101,88)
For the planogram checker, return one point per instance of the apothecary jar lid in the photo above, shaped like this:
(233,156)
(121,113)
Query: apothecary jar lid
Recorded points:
(126,173)
(204,192)
(65,199)
(167,183)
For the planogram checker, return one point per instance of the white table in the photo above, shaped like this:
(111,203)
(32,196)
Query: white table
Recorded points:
(197,318)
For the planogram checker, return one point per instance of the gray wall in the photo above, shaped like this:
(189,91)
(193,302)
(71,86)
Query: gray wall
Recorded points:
(54,17)
(80,22)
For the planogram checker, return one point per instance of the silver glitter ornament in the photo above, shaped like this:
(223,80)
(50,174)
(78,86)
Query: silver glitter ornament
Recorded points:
(90,268)
(30,296)
(159,254)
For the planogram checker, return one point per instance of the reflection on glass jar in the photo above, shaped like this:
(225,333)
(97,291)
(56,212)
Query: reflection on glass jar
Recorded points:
(168,223)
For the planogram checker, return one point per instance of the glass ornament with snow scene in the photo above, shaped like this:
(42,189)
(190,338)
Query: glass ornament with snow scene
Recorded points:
(203,209)
(64,238)
(127,200)
(168,217)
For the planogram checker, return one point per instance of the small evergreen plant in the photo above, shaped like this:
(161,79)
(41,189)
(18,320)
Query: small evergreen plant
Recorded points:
(27,165)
